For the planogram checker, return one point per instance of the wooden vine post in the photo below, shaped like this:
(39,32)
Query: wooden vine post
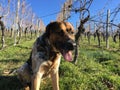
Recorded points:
(107,29)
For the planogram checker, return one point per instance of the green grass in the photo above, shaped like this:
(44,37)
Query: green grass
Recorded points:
(97,68)
(11,58)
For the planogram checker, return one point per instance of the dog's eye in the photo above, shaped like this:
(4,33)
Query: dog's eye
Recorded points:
(70,31)
(61,32)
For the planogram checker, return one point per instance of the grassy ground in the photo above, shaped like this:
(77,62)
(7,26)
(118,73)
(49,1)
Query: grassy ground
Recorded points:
(97,68)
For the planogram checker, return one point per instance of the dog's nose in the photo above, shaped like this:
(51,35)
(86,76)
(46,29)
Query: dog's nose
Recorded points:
(71,44)
(74,44)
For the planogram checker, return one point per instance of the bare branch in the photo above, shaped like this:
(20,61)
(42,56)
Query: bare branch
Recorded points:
(7,10)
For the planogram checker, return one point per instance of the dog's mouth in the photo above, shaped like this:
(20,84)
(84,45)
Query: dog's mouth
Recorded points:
(67,55)
(66,49)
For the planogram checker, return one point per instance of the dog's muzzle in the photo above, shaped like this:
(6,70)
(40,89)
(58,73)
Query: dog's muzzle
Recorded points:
(66,49)
(69,45)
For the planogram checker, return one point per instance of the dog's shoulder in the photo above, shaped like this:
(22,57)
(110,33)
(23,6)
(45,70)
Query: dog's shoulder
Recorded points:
(41,48)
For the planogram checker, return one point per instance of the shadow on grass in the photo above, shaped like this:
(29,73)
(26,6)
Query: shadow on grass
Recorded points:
(23,47)
(10,83)
(10,60)
(102,59)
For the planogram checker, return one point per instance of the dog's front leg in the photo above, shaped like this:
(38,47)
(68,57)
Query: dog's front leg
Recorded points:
(36,79)
(55,80)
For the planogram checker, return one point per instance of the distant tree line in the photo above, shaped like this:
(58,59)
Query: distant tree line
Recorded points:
(17,19)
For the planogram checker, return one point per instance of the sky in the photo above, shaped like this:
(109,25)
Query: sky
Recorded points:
(44,9)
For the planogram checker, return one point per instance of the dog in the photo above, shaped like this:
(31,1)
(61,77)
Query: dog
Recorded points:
(58,40)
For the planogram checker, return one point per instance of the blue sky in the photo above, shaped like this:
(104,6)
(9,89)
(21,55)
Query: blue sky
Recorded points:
(46,7)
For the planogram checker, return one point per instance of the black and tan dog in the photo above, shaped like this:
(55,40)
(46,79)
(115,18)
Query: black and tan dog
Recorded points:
(57,40)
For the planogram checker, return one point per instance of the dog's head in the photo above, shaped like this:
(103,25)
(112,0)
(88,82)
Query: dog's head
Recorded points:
(62,38)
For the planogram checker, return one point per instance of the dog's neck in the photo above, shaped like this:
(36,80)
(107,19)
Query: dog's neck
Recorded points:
(43,43)
(43,46)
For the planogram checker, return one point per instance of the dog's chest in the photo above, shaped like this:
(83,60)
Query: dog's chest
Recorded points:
(51,66)
(43,58)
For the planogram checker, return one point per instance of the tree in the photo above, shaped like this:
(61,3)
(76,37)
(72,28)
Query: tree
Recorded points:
(83,10)
(16,21)
(3,34)
(65,12)
(3,26)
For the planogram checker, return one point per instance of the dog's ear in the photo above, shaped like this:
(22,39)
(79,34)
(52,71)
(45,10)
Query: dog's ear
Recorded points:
(47,31)
(50,27)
